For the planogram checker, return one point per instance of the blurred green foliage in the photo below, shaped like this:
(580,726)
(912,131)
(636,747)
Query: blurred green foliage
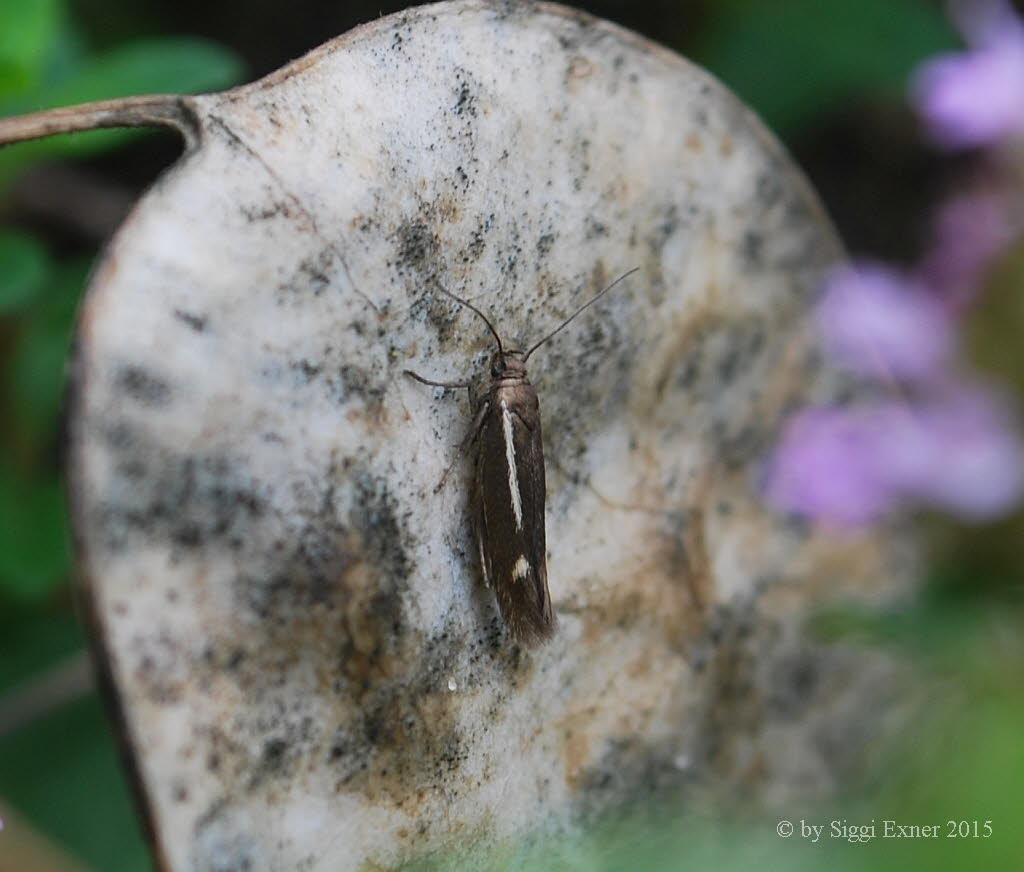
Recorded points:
(62,771)
(45,61)
(26,31)
(34,553)
(24,271)
(795,62)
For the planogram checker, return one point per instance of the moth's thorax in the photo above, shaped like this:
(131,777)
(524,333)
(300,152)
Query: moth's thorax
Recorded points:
(510,388)
(516,396)
(510,391)
(507,382)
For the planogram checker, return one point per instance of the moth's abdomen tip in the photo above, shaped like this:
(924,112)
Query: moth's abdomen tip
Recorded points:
(533,633)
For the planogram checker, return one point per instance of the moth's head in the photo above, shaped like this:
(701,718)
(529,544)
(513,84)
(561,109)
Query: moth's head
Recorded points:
(507,364)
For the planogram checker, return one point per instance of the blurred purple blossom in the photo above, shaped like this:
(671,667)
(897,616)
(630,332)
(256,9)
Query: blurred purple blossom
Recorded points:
(968,233)
(975,465)
(850,466)
(950,444)
(974,98)
(825,468)
(879,322)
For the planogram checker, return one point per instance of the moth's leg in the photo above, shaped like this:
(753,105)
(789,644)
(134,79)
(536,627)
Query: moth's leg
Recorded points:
(478,420)
(478,423)
(436,384)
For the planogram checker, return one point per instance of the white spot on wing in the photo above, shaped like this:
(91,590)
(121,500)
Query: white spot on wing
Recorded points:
(510,459)
(521,569)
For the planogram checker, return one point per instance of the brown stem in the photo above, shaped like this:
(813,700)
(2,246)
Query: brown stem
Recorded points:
(168,110)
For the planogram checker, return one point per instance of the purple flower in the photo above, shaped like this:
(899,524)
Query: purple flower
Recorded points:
(956,451)
(825,468)
(975,458)
(949,445)
(969,232)
(974,98)
(878,322)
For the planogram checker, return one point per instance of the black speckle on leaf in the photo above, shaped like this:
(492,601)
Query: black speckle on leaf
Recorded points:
(193,322)
(143,386)
(416,245)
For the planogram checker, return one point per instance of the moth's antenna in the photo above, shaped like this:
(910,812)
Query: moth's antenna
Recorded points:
(590,302)
(473,308)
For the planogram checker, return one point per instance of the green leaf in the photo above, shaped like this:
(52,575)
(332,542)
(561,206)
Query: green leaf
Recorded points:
(34,552)
(24,269)
(27,29)
(63,774)
(67,54)
(37,372)
(33,641)
(177,66)
(35,556)
(792,60)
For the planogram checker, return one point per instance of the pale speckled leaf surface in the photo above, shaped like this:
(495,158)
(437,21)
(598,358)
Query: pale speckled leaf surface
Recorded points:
(309,671)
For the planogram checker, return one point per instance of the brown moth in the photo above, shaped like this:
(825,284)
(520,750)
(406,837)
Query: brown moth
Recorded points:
(508,484)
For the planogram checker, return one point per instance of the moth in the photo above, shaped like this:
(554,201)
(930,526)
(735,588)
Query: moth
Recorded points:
(508,483)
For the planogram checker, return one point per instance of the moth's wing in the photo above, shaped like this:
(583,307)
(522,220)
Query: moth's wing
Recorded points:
(510,518)
(530,447)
